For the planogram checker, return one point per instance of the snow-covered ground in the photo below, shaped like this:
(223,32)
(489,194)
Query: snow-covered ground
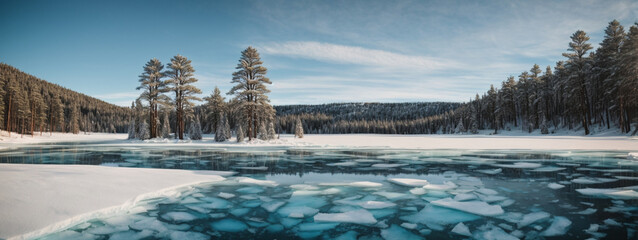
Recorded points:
(508,140)
(32,197)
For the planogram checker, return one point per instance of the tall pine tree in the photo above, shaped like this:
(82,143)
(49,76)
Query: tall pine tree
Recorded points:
(151,81)
(180,74)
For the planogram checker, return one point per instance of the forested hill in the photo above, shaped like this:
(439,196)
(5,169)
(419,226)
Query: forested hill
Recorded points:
(31,105)
(386,118)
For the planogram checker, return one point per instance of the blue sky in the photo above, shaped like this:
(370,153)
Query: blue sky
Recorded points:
(316,51)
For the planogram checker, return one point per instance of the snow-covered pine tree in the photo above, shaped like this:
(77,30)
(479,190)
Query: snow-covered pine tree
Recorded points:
(227,128)
(459,127)
(166,127)
(195,132)
(262,133)
(75,119)
(220,134)
(180,74)
(473,120)
(131,130)
(240,134)
(151,81)
(250,89)
(214,106)
(271,131)
(579,63)
(544,128)
(298,129)
(143,131)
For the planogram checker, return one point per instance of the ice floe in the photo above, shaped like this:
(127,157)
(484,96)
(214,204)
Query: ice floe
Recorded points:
(474,207)
(462,230)
(397,232)
(360,216)
(555,186)
(519,165)
(532,218)
(560,226)
(409,182)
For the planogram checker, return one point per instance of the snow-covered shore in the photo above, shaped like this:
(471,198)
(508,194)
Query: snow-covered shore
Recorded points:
(469,142)
(33,197)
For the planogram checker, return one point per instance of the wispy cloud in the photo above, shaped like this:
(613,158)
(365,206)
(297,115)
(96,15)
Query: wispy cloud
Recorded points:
(333,53)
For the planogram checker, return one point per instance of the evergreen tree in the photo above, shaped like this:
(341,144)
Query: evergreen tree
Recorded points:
(12,91)
(473,120)
(578,65)
(240,134)
(271,131)
(628,89)
(459,127)
(151,81)
(74,125)
(605,80)
(195,132)
(57,114)
(214,106)
(221,133)
(143,131)
(298,129)
(131,130)
(250,90)
(2,98)
(166,127)
(181,79)
(262,131)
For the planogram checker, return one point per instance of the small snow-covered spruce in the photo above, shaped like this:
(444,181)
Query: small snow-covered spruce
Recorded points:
(240,134)
(544,129)
(220,133)
(166,127)
(262,134)
(195,132)
(271,131)
(460,128)
(298,129)
(143,132)
(131,130)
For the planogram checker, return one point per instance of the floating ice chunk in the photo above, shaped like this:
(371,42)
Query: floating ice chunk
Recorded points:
(559,227)
(364,184)
(464,197)
(410,182)
(178,235)
(303,187)
(632,156)
(229,225)
(520,165)
(627,194)
(491,171)
(445,186)
(548,169)
(532,218)
(316,226)
(438,215)
(418,191)
(226,195)
(106,229)
(247,180)
(606,170)
(506,203)
(375,204)
(462,230)
(149,224)
(303,210)
(289,222)
(250,190)
(486,191)
(381,213)
(342,164)
(587,211)
(396,232)
(394,195)
(589,180)
(388,165)
(179,217)
(360,216)
(555,186)
(238,212)
(296,215)
(129,235)
(275,228)
(612,222)
(350,235)
(272,206)
(215,203)
(494,233)
(626,178)
(475,207)
(408,225)
(595,191)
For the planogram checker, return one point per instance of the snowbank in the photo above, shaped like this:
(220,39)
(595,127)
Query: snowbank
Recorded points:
(36,199)
(471,142)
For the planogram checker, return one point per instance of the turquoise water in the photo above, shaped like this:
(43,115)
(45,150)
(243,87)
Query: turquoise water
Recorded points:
(315,193)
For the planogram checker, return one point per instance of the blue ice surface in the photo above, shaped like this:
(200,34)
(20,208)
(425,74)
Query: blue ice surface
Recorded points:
(229,225)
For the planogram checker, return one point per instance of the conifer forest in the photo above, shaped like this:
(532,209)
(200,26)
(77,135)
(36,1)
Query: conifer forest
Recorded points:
(587,89)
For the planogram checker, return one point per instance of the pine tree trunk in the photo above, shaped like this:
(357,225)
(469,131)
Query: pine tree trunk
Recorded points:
(9,116)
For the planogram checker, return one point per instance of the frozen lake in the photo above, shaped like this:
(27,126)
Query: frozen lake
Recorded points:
(365,193)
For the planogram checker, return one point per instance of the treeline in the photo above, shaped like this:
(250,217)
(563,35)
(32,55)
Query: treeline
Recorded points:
(385,118)
(589,89)
(586,91)
(29,105)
